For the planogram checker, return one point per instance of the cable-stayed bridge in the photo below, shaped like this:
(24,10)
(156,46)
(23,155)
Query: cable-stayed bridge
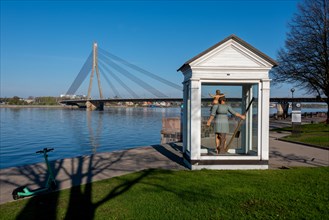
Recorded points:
(124,79)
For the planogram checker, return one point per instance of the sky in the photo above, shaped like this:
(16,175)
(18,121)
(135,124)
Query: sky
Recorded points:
(44,44)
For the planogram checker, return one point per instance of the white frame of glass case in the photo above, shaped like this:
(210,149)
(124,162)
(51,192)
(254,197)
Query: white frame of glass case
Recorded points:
(249,118)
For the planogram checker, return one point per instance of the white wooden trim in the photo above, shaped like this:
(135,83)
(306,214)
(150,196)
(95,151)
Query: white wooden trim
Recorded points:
(227,63)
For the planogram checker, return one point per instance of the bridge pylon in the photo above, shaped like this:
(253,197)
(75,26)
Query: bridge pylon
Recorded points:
(89,105)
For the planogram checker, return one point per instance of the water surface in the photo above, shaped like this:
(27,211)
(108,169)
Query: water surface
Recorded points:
(76,132)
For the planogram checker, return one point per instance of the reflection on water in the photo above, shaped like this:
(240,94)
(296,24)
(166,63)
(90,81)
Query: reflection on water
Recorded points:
(76,132)
(94,133)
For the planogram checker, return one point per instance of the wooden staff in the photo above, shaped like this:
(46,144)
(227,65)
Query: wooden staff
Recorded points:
(238,127)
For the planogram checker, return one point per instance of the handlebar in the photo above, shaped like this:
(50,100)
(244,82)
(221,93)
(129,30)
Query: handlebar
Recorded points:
(45,150)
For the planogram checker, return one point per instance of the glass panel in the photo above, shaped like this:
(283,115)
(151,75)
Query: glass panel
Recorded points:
(255,121)
(238,137)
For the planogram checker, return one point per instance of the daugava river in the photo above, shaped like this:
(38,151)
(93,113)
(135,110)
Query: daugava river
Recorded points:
(72,133)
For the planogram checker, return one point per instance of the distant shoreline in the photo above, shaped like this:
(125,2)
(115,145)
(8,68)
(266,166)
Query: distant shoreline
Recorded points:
(36,106)
(66,106)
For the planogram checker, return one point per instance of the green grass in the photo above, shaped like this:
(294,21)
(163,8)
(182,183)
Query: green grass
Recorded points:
(313,134)
(299,193)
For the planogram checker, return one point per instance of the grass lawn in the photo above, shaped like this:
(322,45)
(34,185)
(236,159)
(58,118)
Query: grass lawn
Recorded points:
(314,134)
(299,193)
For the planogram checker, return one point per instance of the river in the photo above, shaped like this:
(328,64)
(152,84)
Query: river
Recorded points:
(76,132)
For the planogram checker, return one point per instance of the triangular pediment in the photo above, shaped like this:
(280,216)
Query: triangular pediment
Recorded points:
(229,56)
(230,53)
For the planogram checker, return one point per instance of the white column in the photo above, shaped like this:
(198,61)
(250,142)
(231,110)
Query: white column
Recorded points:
(195,119)
(246,131)
(184,116)
(265,85)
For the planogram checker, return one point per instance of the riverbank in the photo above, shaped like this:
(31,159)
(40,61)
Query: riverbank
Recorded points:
(76,107)
(37,106)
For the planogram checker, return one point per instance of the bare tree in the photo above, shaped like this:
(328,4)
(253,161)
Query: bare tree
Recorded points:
(304,61)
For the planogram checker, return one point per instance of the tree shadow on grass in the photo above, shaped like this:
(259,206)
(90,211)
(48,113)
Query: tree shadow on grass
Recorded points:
(80,201)
(81,205)
(78,173)
(42,204)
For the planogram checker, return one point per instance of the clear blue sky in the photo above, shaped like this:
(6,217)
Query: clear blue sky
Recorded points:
(45,43)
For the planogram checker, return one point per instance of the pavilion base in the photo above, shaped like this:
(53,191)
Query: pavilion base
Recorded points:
(226,164)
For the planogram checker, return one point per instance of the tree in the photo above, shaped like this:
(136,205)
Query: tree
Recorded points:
(304,61)
(46,100)
(16,101)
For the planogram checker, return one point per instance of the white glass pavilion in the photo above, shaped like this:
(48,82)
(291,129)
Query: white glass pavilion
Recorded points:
(241,72)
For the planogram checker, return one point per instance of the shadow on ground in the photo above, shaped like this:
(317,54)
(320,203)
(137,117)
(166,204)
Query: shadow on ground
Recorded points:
(79,173)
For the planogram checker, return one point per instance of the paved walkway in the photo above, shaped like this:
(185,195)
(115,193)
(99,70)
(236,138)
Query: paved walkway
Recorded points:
(81,170)
(285,154)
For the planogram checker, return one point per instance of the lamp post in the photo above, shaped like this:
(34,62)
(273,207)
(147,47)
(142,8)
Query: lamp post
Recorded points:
(292,93)
(292,90)
(296,118)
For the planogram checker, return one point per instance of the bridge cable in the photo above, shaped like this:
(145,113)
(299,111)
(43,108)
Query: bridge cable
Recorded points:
(139,69)
(114,89)
(85,70)
(118,79)
(139,82)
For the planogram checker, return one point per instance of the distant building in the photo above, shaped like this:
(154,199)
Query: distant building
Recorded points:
(73,96)
(29,101)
